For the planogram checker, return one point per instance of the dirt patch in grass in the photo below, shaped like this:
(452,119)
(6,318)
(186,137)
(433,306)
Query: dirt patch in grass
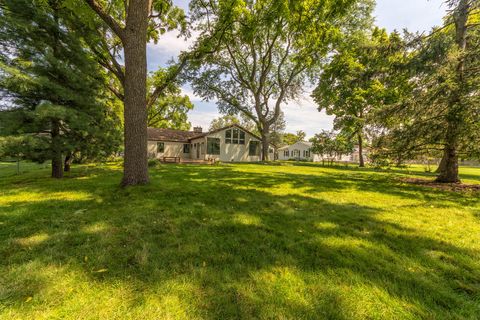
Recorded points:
(457,187)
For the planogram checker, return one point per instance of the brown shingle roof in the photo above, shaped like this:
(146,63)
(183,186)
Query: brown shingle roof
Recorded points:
(170,135)
(156,134)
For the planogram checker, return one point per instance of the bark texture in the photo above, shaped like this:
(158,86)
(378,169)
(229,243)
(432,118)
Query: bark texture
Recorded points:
(361,161)
(454,117)
(67,163)
(134,40)
(57,161)
(265,145)
(441,165)
(135,170)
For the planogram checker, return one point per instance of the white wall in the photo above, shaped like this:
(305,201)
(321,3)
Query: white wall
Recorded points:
(296,151)
(232,152)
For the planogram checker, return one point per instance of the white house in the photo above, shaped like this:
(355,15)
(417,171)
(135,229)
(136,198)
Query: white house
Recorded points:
(231,143)
(301,151)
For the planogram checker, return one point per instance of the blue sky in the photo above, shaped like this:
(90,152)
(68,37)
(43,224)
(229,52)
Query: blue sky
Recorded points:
(415,15)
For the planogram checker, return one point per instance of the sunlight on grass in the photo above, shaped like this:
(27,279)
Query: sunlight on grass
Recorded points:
(247,219)
(238,241)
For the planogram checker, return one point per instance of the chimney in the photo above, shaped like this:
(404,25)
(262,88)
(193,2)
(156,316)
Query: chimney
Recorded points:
(197,129)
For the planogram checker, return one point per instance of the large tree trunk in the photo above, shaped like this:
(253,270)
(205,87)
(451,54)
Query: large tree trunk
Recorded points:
(450,171)
(442,166)
(57,163)
(135,169)
(361,162)
(265,144)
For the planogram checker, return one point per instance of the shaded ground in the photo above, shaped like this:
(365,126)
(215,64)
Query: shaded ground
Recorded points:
(237,242)
(457,187)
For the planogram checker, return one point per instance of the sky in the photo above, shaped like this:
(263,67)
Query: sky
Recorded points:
(415,15)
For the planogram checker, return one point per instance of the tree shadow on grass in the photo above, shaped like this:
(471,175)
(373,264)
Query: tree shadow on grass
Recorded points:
(229,250)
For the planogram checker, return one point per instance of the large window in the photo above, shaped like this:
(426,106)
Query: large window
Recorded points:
(254,148)
(235,136)
(286,153)
(186,148)
(213,146)
(160,147)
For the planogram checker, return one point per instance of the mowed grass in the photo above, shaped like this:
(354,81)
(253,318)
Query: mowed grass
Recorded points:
(238,241)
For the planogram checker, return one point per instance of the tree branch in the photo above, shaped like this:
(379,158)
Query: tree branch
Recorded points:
(108,19)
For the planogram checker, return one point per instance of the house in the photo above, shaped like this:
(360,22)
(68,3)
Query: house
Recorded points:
(301,151)
(231,143)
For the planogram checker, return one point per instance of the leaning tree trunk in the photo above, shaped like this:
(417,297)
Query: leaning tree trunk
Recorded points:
(67,162)
(442,165)
(57,170)
(450,170)
(361,162)
(135,170)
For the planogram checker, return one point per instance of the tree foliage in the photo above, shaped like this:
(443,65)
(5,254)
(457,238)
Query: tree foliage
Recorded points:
(267,46)
(331,145)
(291,138)
(53,105)
(439,116)
(359,79)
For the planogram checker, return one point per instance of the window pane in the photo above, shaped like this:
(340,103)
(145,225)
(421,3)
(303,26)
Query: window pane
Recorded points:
(235,133)
(228,134)
(242,135)
(228,140)
(160,147)
(213,145)
(254,148)
(186,148)
(241,141)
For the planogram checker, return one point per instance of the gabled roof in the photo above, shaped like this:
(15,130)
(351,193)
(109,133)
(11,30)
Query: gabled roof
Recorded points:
(225,128)
(306,143)
(173,135)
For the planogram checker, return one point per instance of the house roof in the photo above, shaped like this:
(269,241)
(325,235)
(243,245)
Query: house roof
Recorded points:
(307,143)
(173,135)
(170,135)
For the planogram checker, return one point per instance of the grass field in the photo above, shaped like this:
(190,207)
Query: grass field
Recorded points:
(238,241)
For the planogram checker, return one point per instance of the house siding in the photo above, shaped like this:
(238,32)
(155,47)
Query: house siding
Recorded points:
(233,152)
(198,148)
(296,151)
(171,149)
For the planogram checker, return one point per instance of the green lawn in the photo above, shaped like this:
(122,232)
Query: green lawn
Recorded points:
(244,241)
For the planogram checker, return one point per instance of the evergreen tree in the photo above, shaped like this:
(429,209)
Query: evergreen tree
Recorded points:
(52,101)
(439,116)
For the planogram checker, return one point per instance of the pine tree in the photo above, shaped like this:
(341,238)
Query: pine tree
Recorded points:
(52,100)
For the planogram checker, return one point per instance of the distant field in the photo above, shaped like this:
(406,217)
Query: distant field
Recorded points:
(238,241)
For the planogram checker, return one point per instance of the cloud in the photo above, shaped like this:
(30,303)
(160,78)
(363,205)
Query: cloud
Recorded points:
(303,115)
(168,47)
(415,15)
(187,90)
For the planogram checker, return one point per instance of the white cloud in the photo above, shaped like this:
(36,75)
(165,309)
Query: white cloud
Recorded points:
(186,90)
(168,47)
(415,15)
(202,118)
(304,115)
